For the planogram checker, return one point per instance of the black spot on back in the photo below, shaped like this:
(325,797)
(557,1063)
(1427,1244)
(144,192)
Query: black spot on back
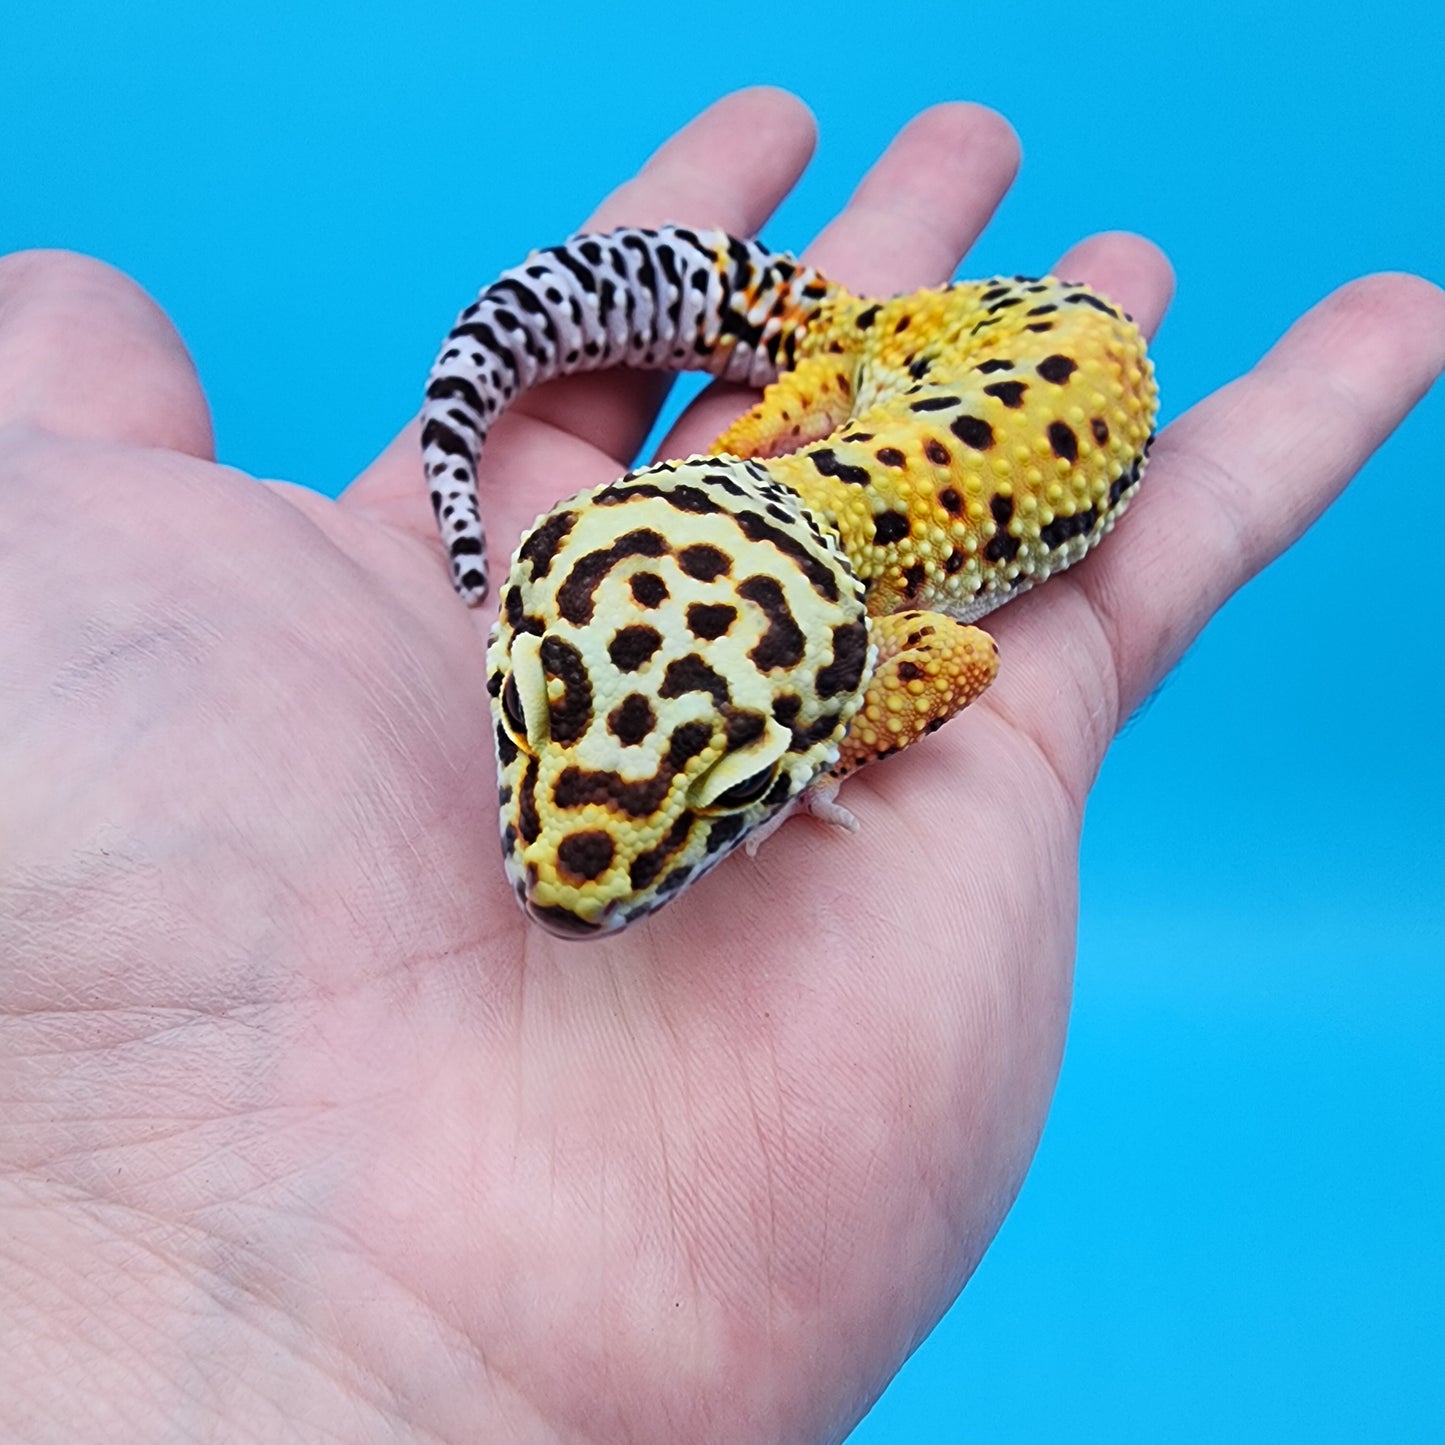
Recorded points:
(1057,369)
(828,465)
(889,527)
(973,431)
(1061,529)
(889,456)
(1063,441)
(1011,393)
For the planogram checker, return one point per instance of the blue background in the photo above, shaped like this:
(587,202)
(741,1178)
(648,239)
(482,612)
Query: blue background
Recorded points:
(1233,1229)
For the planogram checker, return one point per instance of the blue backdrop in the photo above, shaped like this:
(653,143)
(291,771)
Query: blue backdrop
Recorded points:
(1234,1227)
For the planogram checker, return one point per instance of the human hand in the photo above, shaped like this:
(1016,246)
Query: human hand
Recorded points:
(307,1130)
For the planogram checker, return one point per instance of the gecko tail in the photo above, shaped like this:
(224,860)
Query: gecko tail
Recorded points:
(668,299)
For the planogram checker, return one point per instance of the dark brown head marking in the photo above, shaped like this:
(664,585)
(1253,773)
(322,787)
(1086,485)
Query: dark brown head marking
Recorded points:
(646,866)
(704,562)
(782,644)
(541,547)
(529,821)
(692,674)
(850,655)
(744,726)
(710,621)
(572,712)
(936,452)
(585,856)
(631,647)
(648,589)
(632,719)
(575,595)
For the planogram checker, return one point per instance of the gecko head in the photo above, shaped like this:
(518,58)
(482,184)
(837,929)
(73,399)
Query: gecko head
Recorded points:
(673,665)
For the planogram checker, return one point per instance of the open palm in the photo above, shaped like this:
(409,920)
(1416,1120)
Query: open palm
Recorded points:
(307,1133)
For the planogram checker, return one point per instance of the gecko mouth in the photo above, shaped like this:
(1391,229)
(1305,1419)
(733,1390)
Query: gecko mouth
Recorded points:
(562,923)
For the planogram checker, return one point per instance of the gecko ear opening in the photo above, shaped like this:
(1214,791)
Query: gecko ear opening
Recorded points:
(743,777)
(525,690)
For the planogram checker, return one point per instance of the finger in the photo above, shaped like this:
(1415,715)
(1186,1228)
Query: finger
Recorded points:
(729,167)
(1128,270)
(1230,485)
(923,204)
(909,223)
(84,352)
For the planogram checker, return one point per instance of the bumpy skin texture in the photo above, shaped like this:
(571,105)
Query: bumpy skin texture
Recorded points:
(688,653)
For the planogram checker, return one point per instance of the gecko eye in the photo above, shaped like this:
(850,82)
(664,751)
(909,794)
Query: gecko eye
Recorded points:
(512,705)
(750,790)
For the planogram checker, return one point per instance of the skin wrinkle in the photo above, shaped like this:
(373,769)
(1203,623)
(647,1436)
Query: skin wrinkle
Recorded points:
(1102,703)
